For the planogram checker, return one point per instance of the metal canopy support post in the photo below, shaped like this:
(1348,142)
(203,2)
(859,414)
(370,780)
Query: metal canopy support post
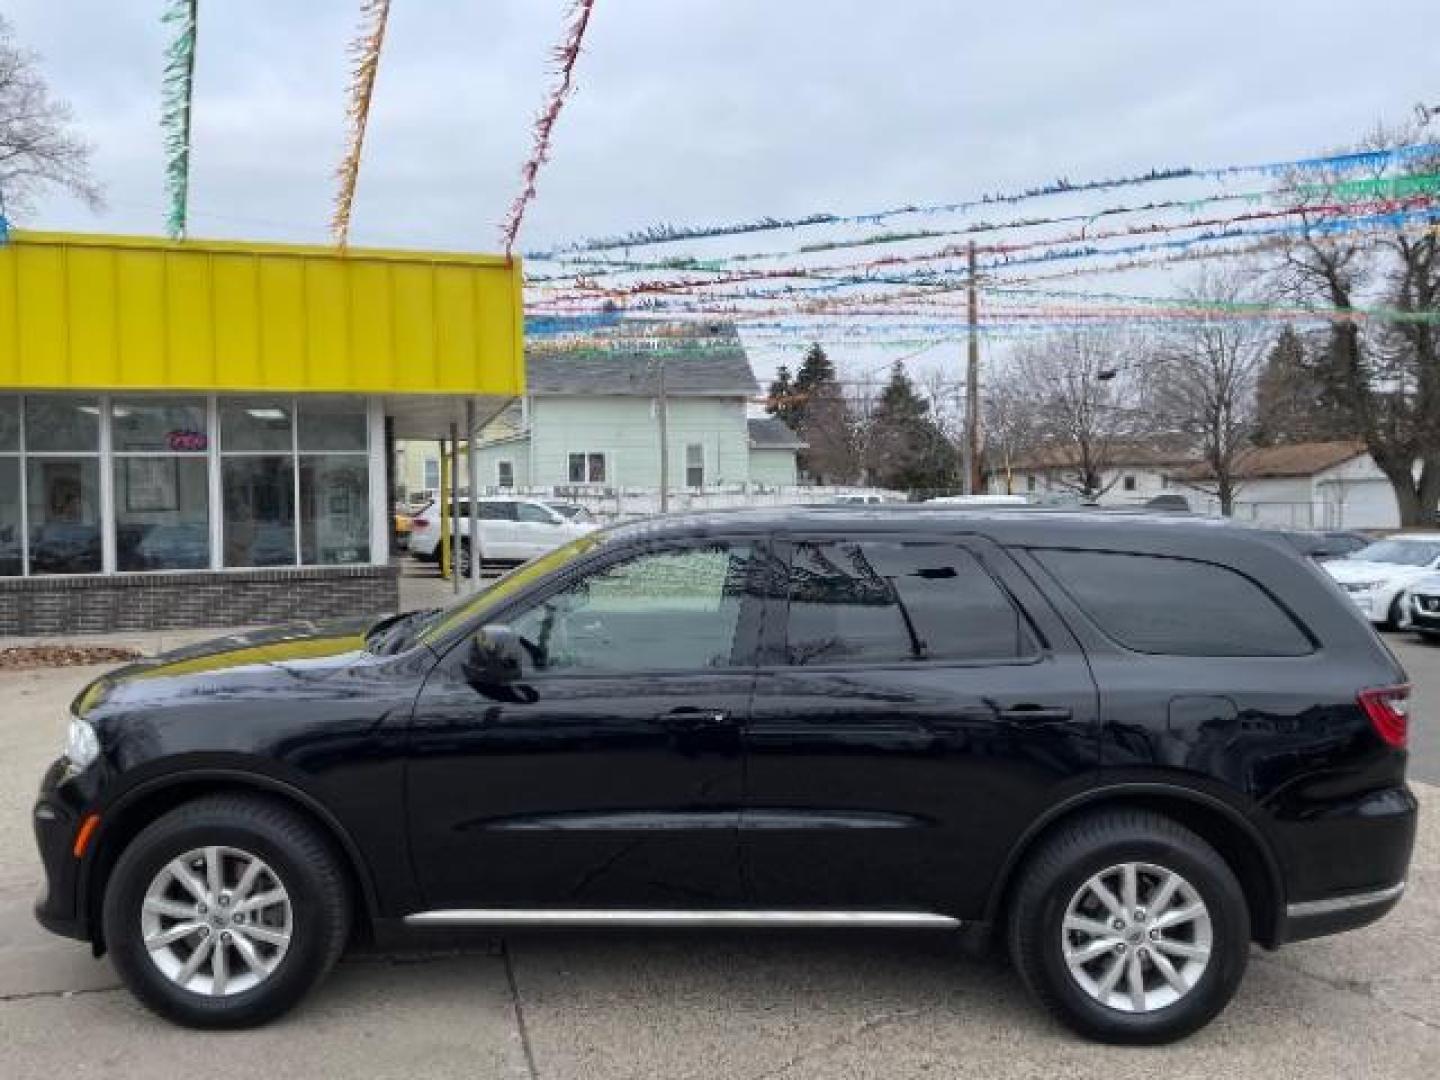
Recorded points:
(448,510)
(472,463)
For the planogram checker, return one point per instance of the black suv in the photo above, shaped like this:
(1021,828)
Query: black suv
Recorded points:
(1127,745)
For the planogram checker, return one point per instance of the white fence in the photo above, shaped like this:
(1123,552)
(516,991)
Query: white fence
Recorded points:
(616,504)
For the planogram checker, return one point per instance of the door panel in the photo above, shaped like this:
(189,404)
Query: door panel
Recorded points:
(883,769)
(609,774)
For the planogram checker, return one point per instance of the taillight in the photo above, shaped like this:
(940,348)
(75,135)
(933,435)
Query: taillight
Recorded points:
(1388,708)
(420,523)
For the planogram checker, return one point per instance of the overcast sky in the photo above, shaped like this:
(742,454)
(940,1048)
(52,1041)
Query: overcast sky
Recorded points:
(695,110)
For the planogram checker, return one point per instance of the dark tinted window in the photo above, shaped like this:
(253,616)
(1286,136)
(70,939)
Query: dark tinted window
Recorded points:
(882,602)
(1175,606)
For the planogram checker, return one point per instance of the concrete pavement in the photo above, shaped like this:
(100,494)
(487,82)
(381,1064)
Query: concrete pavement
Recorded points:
(748,1006)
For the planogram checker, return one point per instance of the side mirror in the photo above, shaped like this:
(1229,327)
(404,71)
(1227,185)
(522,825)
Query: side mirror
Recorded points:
(496,657)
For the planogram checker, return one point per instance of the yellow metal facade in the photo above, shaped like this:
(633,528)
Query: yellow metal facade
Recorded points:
(132,313)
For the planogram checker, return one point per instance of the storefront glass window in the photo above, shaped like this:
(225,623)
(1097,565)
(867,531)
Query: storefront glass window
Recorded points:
(334,509)
(334,481)
(61,423)
(63,496)
(256,426)
(332,425)
(162,491)
(159,426)
(162,513)
(9,423)
(259,511)
(10,521)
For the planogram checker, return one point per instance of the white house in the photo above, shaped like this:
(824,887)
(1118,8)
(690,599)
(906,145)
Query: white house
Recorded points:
(1323,485)
(589,423)
(1135,472)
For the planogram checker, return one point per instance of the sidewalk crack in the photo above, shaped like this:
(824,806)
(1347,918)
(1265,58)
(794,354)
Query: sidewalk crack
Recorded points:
(519,1007)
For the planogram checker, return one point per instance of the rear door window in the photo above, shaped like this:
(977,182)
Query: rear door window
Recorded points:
(881,602)
(1177,607)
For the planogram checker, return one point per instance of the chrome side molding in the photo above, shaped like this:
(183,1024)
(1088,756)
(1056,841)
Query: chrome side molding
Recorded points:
(1344,903)
(603,917)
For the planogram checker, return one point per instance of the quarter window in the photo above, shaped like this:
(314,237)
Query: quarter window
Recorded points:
(666,610)
(879,602)
(535,515)
(1180,607)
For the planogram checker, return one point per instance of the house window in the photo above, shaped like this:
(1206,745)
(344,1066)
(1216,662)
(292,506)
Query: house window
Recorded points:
(432,474)
(505,474)
(587,468)
(1129,483)
(694,465)
(1029,483)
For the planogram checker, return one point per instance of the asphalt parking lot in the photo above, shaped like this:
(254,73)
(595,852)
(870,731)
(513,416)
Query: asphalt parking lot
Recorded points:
(750,1006)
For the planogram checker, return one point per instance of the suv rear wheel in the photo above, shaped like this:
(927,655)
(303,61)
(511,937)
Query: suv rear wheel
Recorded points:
(1130,928)
(224,912)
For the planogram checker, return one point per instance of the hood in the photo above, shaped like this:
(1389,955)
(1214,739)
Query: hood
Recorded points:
(1348,570)
(303,650)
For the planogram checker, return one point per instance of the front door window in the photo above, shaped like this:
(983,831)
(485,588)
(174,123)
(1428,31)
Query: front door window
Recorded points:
(665,610)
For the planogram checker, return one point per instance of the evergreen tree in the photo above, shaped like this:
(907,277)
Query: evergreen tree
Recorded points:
(821,416)
(780,400)
(907,448)
(1294,399)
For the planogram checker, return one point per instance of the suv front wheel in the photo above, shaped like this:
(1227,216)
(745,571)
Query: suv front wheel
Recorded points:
(224,912)
(1130,928)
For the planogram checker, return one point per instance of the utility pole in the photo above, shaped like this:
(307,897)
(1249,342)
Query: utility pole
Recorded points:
(971,455)
(662,406)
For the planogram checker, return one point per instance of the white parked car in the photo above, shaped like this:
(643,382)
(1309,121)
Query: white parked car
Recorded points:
(1377,577)
(511,531)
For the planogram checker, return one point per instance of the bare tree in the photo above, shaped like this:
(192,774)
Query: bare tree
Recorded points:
(1011,425)
(1085,386)
(1202,382)
(38,147)
(1387,377)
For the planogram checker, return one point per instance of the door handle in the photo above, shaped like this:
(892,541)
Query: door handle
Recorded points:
(686,719)
(1035,714)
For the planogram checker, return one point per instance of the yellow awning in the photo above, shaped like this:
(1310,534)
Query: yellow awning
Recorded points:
(98,312)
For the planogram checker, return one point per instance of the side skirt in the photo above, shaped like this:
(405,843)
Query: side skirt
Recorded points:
(619,918)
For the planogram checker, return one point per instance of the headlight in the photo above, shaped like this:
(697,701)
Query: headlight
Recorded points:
(82,746)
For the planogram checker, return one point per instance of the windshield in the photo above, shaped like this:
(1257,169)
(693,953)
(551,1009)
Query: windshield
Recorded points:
(443,622)
(1400,552)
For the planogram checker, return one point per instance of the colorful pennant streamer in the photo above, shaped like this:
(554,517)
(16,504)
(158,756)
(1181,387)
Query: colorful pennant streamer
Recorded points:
(1333,163)
(365,57)
(565,56)
(177,90)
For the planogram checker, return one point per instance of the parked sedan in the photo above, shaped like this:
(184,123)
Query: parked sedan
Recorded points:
(1095,737)
(1376,577)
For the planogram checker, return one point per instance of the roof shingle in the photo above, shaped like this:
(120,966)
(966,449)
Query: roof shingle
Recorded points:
(707,359)
(772,433)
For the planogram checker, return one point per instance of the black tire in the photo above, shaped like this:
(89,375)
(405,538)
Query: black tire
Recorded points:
(1395,616)
(300,857)
(1064,863)
(462,559)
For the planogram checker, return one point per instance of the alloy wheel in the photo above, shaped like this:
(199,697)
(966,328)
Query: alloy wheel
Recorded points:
(216,921)
(1137,937)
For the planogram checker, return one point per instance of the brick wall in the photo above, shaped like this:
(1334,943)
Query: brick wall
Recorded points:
(99,604)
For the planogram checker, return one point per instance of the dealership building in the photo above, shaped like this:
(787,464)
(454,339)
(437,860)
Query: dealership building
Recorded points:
(198,433)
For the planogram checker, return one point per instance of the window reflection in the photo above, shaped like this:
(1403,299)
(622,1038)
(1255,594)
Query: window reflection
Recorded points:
(259,495)
(162,513)
(334,509)
(10,547)
(63,496)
